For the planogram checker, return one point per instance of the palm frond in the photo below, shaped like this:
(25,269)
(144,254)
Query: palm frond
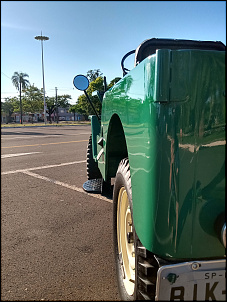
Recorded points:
(19,78)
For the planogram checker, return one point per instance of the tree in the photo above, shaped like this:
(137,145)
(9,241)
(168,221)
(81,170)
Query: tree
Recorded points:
(8,107)
(113,82)
(83,106)
(73,109)
(52,105)
(62,101)
(33,100)
(20,82)
(96,83)
(93,74)
(50,102)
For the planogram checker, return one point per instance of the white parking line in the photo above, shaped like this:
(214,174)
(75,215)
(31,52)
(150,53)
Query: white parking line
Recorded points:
(22,146)
(43,167)
(17,154)
(72,187)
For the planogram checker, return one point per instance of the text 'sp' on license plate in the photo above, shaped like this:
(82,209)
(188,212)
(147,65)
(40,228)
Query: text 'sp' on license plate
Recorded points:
(192,281)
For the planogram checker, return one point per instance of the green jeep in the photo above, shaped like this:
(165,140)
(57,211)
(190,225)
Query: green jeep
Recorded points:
(161,141)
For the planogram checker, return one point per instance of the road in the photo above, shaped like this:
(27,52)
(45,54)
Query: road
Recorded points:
(56,241)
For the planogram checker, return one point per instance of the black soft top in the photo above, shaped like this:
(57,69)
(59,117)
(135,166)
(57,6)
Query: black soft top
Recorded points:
(149,47)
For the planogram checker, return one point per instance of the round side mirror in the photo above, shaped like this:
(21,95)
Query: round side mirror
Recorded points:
(81,82)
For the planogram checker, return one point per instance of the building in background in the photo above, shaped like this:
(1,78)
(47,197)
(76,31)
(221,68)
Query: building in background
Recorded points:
(63,115)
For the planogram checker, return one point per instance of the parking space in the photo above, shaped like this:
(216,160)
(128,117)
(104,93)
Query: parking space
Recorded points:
(56,238)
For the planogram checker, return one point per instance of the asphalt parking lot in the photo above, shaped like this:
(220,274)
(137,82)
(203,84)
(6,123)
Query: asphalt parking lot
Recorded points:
(56,239)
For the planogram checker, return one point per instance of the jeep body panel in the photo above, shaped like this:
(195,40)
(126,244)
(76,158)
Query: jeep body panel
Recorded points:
(168,116)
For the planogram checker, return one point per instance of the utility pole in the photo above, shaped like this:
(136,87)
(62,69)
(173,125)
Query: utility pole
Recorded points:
(56,103)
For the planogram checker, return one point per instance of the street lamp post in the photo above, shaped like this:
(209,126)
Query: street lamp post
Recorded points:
(43,38)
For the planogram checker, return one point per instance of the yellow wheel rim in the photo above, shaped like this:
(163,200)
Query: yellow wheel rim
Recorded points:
(126,249)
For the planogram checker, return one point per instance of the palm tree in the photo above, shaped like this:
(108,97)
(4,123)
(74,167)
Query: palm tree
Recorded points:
(19,81)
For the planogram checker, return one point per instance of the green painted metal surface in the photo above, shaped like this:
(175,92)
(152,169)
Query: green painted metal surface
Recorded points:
(172,111)
(95,128)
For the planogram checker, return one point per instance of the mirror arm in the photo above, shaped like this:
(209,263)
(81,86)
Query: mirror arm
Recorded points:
(85,92)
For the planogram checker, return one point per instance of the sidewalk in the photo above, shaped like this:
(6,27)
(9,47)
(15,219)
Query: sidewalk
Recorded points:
(53,124)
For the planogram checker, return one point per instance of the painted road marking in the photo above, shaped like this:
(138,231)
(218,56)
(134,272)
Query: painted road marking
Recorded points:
(72,187)
(17,154)
(43,167)
(27,136)
(85,140)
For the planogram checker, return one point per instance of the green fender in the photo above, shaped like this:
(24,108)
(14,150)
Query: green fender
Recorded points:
(168,116)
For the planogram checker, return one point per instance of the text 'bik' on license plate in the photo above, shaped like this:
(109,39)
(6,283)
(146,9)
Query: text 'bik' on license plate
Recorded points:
(192,281)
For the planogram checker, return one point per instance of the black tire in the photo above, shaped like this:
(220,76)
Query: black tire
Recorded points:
(93,171)
(136,277)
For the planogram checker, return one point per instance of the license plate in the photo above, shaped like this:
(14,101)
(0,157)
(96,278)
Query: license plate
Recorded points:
(192,281)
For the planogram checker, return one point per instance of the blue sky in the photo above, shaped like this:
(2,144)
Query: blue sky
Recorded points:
(88,35)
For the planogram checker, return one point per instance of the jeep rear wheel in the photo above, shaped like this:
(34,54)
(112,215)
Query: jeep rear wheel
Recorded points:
(125,240)
(136,267)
